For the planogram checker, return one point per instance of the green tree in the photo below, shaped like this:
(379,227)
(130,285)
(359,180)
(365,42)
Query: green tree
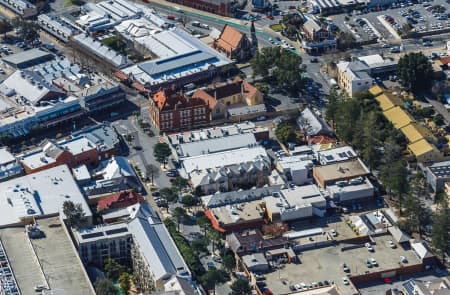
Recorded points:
(204,223)
(345,40)
(74,213)
(215,237)
(5,27)
(26,30)
(228,261)
(124,282)
(169,195)
(394,177)
(370,142)
(179,183)
(212,277)
(112,269)
(152,171)
(189,200)
(105,287)
(161,151)
(438,120)
(179,213)
(332,104)
(440,233)
(199,246)
(285,133)
(240,287)
(415,71)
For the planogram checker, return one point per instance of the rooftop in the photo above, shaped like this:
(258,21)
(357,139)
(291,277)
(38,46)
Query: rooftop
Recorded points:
(231,214)
(398,117)
(5,156)
(28,58)
(218,144)
(415,132)
(38,194)
(342,170)
(189,62)
(440,169)
(421,147)
(60,263)
(312,124)
(388,101)
(336,155)
(223,159)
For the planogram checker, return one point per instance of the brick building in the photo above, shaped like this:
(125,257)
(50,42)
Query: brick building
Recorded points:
(171,111)
(221,7)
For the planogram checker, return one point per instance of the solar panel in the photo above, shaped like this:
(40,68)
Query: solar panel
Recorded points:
(116,231)
(93,235)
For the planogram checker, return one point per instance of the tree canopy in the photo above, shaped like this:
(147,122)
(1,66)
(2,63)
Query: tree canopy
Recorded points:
(161,151)
(415,71)
(441,230)
(26,30)
(285,133)
(112,269)
(74,213)
(105,287)
(168,194)
(281,67)
(240,287)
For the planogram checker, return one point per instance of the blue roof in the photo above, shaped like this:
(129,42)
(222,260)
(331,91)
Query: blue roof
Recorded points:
(161,66)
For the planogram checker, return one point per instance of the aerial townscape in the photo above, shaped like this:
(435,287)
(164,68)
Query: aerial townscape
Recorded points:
(226,147)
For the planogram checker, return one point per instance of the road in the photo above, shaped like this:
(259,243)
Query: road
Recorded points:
(440,108)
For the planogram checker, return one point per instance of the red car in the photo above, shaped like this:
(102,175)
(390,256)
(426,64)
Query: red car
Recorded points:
(171,17)
(387,281)
(270,17)
(267,292)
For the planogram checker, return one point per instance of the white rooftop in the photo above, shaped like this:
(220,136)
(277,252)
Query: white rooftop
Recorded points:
(223,159)
(38,194)
(5,156)
(336,155)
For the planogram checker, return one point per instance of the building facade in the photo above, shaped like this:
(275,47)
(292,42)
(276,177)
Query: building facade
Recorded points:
(220,7)
(170,111)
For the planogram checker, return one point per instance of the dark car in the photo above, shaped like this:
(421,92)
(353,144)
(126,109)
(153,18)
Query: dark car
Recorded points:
(156,194)
(172,173)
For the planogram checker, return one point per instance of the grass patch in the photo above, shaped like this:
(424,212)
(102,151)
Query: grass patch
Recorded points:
(276,27)
(116,43)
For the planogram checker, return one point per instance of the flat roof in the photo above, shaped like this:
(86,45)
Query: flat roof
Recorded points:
(218,144)
(5,156)
(440,169)
(342,170)
(38,194)
(350,187)
(338,154)
(375,90)
(28,56)
(223,159)
(388,101)
(61,264)
(230,214)
(325,263)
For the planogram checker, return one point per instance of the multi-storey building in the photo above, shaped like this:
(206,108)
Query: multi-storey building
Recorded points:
(221,7)
(171,111)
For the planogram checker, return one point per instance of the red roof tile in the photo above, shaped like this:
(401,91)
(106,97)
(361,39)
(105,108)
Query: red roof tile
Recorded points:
(120,200)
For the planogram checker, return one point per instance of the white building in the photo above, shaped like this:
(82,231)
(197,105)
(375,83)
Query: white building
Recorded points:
(23,8)
(295,203)
(9,166)
(298,169)
(334,155)
(56,27)
(352,190)
(38,195)
(144,239)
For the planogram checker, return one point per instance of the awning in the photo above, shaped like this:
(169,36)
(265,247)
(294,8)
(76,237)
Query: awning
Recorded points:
(214,222)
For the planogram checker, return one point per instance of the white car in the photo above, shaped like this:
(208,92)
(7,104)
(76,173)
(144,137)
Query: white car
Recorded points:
(345,281)
(369,247)
(373,262)
(333,232)
(403,259)
(391,244)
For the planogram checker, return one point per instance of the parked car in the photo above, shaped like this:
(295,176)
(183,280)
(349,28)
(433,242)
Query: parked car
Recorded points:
(373,261)
(403,259)
(391,244)
(172,173)
(369,264)
(345,281)
(369,247)
(345,267)
(333,232)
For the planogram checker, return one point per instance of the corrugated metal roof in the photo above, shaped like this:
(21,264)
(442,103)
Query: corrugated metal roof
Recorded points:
(375,90)
(398,117)
(420,147)
(412,132)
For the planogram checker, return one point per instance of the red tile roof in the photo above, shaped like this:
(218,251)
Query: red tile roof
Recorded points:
(168,99)
(229,38)
(321,139)
(445,60)
(120,200)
